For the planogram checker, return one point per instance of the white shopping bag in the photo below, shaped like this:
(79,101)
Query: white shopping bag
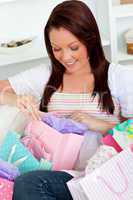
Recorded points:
(112,181)
(76,189)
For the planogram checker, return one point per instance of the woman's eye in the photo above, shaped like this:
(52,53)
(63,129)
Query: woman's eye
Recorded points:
(55,49)
(74,48)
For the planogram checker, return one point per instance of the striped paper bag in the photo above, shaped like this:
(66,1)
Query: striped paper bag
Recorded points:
(76,189)
(112,181)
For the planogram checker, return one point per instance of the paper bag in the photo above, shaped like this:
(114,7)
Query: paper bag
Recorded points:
(113,180)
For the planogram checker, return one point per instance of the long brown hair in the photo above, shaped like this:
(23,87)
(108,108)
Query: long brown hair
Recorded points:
(76,17)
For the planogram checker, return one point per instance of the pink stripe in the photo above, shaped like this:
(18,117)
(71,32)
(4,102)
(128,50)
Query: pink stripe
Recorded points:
(93,112)
(73,100)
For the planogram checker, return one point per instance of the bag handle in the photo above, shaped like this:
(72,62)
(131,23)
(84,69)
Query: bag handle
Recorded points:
(119,194)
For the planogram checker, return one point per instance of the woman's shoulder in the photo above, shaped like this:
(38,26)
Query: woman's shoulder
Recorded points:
(118,69)
(31,80)
(120,78)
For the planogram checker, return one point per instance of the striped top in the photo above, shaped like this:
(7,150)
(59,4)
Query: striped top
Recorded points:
(120,82)
(65,103)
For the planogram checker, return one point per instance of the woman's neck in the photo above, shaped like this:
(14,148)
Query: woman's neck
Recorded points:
(79,83)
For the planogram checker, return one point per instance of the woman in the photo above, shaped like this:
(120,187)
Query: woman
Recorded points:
(82,85)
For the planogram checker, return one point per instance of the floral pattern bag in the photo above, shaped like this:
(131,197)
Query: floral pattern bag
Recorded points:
(6,189)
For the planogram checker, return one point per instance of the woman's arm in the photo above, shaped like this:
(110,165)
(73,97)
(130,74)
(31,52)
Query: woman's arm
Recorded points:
(26,103)
(5,86)
(93,123)
(8,98)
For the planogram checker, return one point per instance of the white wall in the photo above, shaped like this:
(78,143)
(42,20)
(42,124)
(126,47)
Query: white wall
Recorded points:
(21,18)
(10,70)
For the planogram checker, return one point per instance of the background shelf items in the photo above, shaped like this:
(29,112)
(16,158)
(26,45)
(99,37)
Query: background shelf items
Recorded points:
(16,45)
(34,50)
(120,21)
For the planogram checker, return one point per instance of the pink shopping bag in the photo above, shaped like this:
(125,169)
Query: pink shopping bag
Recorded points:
(61,149)
(112,181)
(110,141)
(6,189)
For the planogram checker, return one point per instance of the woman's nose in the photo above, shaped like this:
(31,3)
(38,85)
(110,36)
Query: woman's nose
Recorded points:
(66,55)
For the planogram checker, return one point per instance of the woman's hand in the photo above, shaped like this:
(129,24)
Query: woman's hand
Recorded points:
(29,105)
(26,103)
(93,123)
(81,117)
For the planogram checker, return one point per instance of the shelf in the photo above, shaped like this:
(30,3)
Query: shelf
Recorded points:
(6,1)
(21,26)
(35,51)
(121,11)
(122,56)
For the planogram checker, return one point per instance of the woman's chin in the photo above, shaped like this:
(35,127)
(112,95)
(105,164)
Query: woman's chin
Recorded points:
(71,69)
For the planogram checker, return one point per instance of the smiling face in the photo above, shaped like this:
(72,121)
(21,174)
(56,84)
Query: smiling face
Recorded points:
(69,51)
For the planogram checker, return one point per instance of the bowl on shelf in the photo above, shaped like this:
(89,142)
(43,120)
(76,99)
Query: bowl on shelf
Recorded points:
(16,45)
(129,41)
(126,1)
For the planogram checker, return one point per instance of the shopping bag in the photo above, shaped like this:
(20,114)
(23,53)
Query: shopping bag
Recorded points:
(110,141)
(61,149)
(13,151)
(102,155)
(92,140)
(123,133)
(76,189)
(6,189)
(8,170)
(112,181)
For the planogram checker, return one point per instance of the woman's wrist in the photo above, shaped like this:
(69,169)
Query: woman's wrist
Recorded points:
(95,124)
(8,99)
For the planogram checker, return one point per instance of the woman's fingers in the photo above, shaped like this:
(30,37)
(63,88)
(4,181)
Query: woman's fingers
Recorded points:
(28,105)
(77,116)
(80,117)
(34,112)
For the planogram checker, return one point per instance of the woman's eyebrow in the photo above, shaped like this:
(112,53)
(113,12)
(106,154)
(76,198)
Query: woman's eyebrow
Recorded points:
(68,44)
(54,43)
(73,42)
